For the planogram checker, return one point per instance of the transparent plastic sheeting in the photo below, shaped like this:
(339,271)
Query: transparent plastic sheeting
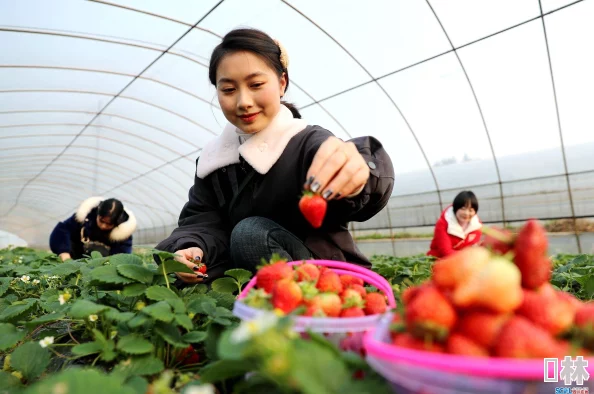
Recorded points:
(112,98)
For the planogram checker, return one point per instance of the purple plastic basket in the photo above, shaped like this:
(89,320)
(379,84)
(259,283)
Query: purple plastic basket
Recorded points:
(414,371)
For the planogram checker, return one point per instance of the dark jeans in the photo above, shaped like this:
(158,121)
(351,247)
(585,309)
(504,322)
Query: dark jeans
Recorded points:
(256,237)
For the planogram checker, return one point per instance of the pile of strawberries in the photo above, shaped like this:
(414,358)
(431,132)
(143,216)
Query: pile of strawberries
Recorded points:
(311,290)
(496,301)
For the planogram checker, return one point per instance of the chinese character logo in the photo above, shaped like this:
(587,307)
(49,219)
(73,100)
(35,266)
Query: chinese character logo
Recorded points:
(571,370)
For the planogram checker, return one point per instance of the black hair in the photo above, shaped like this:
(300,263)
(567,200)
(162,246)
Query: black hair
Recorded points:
(464,199)
(257,42)
(113,210)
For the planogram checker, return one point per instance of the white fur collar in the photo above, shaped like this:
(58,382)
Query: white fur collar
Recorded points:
(119,233)
(261,151)
(454,227)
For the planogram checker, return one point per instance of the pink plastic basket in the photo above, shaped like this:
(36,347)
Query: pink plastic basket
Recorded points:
(327,325)
(414,371)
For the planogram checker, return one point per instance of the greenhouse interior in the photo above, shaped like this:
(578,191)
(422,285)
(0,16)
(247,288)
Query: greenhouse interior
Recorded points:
(458,123)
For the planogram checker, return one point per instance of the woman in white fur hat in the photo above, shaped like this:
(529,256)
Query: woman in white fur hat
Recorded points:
(99,224)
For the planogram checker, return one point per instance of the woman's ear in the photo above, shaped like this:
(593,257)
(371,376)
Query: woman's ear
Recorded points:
(283,84)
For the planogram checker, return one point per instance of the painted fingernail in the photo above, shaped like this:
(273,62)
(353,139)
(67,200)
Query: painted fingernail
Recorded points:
(337,196)
(197,258)
(195,268)
(309,180)
(314,188)
(327,194)
(199,275)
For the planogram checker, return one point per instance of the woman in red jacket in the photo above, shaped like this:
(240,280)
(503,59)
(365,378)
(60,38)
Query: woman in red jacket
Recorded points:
(458,226)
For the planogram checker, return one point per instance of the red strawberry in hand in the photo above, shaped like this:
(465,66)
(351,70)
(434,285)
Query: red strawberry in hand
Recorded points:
(313,207)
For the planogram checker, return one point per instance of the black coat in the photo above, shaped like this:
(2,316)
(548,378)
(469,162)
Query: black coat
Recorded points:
(228,195)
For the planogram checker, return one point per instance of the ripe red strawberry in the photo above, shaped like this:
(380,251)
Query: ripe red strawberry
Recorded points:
(269,274)
(330,304)
(430,313)
(406,340)
(584,324)
(459,344)
(314,310)
(498,240)
(188,356)
(307,272)
(359,289)
(313,207)
(410,292)
(482,327)
(353,311)
(201,268)
(520,338)
(545,308)
(286,295)
(530,255)
(329,281)
(348,280)
(375,303)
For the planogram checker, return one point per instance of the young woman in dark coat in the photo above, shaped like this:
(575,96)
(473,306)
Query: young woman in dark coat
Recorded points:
(98,225)
(248,182)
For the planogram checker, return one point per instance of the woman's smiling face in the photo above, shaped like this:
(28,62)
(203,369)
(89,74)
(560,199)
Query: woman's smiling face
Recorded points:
(249,91)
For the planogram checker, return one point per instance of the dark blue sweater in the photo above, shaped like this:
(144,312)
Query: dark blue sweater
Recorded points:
(66,237)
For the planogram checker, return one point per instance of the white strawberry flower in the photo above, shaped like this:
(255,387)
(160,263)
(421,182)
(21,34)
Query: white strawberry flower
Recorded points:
(45,342)
(36,281)
(93,317)
(25,278)
(248,328)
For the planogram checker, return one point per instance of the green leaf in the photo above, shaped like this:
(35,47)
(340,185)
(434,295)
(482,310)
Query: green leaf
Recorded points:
(76,380)
(184,321)
(223,321)
(241,275)
(81,309)
(137,321)
(107,274)
(159,293)
(114,314)
(84,349)
(125,258)
(46,319)
(159,311)
(14,311)
(10,336)
(225,285)
(96,255)
(147,365)
(175,266)
(138,384)
(223,312)
(63,270)
(209,308)
(194,336)
(134,290)
(224,369)
(225,300)
(136,272)
(589,287)
(134,344)
(170,334)
(8,383)
(30,359)
(196,301)
(4,285)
